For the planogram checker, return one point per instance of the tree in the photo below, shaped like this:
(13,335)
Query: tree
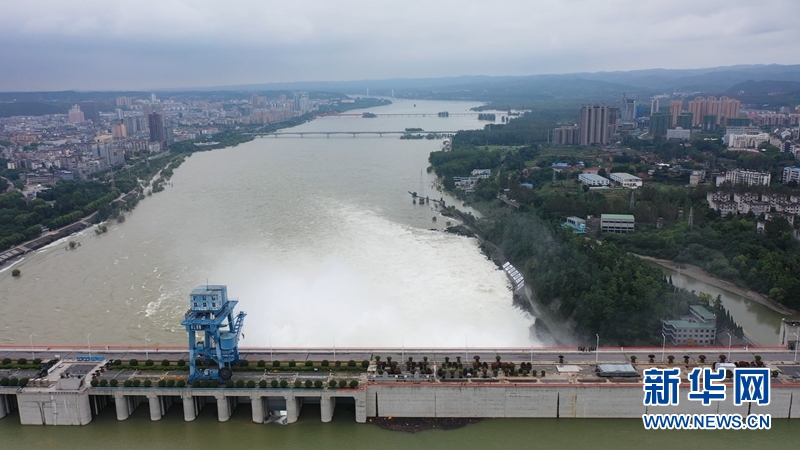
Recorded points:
(251,384)
(633,359)
(165,363)
(16,273)
(353,384)
(133,362)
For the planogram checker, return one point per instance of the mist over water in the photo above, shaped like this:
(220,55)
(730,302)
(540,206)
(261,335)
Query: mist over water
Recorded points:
(317,237)
(373,282)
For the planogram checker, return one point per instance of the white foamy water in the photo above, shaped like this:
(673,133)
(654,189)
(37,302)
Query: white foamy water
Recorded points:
(317,237)
(375,281)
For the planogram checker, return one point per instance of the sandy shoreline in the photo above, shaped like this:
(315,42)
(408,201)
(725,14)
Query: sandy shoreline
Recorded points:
(700,274)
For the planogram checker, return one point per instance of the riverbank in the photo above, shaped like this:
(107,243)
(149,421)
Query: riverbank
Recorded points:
(700,274)
(548,327)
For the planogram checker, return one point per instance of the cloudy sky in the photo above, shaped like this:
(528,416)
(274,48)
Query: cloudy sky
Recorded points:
(142,44)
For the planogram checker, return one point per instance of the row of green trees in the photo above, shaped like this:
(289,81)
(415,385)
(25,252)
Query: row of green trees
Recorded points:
(180,383)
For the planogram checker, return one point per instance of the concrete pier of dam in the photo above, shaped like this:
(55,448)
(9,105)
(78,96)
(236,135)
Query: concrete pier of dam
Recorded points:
(572,389)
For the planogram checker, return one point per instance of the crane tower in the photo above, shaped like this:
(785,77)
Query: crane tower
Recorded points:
(211,315)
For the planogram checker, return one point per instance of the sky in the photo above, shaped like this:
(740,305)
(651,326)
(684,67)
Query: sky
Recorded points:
(149,44)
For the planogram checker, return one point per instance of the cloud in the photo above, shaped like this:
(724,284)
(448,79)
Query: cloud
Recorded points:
(92,44)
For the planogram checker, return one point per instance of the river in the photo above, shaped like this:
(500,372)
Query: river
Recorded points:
(320,241)
(138,432)
(316,236)
(759,321)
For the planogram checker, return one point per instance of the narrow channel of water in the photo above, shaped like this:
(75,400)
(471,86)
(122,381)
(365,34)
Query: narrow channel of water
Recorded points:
(760,321)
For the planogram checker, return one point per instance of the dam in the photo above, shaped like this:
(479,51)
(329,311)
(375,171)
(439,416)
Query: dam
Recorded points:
(71,385)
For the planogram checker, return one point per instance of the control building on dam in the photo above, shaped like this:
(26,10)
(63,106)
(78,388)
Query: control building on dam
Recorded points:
(75,389)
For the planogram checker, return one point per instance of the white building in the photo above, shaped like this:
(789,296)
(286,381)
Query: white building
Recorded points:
(590,179)
(627,180)
(679,134)
(748,177)
(75,115)
(747,141)
(617,223)
(791,174)
(735,131)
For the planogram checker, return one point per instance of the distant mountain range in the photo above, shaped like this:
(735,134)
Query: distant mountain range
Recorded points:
(756,84)
(714,80)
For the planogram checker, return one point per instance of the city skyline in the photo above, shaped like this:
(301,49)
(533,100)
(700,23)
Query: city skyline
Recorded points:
(159,45)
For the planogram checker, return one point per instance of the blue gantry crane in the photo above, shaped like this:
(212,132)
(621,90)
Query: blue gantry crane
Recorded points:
(212,314)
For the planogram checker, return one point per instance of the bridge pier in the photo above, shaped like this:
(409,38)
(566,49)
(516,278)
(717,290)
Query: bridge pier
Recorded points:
(293,407)
(326,406)
(122,405)
(189,407)
(155,407)
(257,404)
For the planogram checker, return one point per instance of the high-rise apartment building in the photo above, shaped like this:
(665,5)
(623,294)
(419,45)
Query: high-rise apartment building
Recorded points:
(628,110)
(118,130)
(124,101)
(655,105)
(566,136)
(90,111)
(684,121)
(675,110)
(598,124)
(157,134)
(659,124)
(723,109)
(75,115)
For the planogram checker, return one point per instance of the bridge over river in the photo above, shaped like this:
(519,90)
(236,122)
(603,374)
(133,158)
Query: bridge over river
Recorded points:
(348,133)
